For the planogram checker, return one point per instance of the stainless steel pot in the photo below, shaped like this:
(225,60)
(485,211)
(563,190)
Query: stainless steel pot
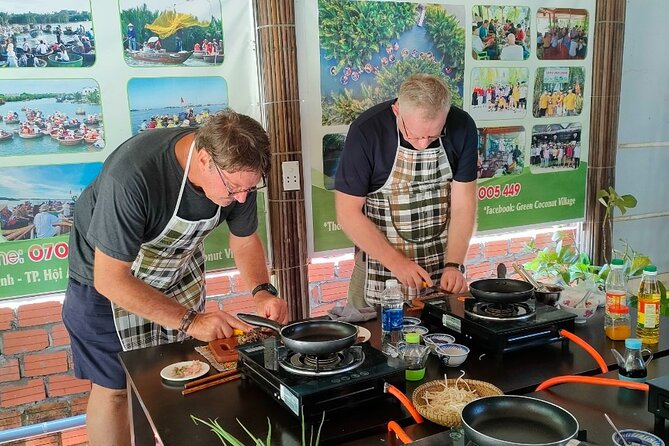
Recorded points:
(513,420)
(317,337)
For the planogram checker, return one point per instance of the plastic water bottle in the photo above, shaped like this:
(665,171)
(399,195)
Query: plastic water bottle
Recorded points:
(392,316)
(617,325)
(648,315)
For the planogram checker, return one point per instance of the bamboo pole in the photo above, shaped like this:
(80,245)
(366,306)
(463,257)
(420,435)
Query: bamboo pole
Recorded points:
(277,51)
(606,82)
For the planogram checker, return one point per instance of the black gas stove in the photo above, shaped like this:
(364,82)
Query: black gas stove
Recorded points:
(312,385)
(497,328)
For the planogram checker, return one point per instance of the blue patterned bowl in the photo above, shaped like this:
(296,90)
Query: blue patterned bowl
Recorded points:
(637,438)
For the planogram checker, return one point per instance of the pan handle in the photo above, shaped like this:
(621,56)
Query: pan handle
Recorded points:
(260,321)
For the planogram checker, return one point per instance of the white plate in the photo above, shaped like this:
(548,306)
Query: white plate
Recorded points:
(409,320)
(363,334)
(170,372)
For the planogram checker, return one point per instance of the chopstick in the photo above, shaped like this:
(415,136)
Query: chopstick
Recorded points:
(211,383)
(206,379)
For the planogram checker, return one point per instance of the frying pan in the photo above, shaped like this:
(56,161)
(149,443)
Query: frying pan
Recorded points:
(501,290)
(318,337)
(513,420)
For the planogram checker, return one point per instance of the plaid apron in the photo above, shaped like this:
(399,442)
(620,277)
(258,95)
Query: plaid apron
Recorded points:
(172,263)
(412,209)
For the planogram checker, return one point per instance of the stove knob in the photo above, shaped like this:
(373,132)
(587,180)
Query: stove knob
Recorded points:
(336,381)
(345,378)
(355,375)
(364,373)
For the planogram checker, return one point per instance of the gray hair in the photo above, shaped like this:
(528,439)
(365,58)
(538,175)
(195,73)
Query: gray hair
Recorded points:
(235,142)
(426,93)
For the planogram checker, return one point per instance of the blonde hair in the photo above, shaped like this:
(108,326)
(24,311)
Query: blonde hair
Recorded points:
(426,93)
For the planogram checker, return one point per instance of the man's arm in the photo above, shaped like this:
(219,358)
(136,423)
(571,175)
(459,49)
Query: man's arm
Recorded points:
(365,235)
(460,230)
(250,260)
(114,280)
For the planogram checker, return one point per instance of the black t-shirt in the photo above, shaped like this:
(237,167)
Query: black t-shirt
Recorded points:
(133,198)
(371,145)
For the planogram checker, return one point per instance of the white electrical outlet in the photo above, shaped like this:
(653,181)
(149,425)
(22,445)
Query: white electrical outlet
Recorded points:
(290,172)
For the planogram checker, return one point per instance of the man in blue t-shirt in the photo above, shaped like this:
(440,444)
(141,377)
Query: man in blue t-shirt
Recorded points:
(406,191)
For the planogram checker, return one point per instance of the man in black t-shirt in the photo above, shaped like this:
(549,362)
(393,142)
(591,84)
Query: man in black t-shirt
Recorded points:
(406,191)
(136,262)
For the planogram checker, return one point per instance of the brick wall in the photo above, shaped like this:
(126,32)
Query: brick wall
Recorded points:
(37,383)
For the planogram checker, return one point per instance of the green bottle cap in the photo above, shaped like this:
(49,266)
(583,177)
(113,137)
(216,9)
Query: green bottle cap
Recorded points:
(412,338)
(617,262)
(650,269)
(414,375)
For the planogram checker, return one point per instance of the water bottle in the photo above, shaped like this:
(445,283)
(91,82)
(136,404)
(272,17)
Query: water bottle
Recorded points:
(617,324)
(648,314)
(392,317)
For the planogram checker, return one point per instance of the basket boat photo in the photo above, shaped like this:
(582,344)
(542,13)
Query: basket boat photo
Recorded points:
(160,56)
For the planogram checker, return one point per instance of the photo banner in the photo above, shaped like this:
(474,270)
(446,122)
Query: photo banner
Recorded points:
(522,73)
(78,82)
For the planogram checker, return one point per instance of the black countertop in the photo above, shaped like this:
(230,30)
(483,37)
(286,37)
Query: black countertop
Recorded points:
(162,408)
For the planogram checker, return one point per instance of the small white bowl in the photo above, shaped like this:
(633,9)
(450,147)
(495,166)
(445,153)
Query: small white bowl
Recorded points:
(410,320)
(637,437)
(584,312)
(452,355)
(433,340)
(415,329)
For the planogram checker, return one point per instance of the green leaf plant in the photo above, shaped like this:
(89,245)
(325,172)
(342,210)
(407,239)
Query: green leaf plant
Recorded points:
(229,439)
(611,200)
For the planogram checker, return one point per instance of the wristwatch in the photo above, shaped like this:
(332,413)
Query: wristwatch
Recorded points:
(265,287)
(459,266)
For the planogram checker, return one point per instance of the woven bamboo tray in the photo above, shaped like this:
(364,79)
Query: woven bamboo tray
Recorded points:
(448,418)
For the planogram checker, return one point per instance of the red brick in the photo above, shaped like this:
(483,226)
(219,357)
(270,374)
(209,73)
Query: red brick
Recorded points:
(322,310)
(517,245)
(211,306)
(9,370)
(319,272)
(543,240)
(74,437)
(334,291)
(239,285)
(78,405)
(39,314)
(239,304)
(47,440)
(474,251)
(479,271)
(218,286)
(497,248)
(61,385)
(9,419)
(46,411)
(20,341)
(39,364)
(345,268)
(59,335)
(6,318)
(28,392)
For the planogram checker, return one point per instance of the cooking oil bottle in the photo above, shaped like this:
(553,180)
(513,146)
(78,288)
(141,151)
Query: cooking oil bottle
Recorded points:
(648,316)
(617,324)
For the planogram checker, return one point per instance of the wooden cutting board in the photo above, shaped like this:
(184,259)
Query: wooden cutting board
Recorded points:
(224,349)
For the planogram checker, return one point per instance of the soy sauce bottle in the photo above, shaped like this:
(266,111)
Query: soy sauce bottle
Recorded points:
(634,367)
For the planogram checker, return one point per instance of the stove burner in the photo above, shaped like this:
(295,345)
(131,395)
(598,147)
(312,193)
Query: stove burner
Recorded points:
(309,365)
(500,311)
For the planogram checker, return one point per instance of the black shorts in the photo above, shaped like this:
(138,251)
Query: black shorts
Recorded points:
(88,317)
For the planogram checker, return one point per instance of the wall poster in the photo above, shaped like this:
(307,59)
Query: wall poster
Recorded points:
(522,72)
(81,77)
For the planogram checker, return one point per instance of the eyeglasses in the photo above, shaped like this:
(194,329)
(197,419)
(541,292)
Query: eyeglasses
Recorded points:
(418,138)
(242,191)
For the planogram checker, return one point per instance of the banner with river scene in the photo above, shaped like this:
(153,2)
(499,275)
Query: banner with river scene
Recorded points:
(523,73)
(78,79)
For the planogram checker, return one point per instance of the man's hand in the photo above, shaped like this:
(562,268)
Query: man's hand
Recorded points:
(409,273)
(453,281)
(215,325)
(271,307)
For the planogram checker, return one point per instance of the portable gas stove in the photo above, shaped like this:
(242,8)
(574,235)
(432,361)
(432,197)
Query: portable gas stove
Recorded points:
(311,385)
(495,327)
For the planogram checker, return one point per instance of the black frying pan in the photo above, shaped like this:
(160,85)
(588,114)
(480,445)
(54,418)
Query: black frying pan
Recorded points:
(318,337)
(501,290)
(512,420)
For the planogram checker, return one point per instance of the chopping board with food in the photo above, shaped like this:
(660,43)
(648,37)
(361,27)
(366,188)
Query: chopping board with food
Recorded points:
(224,350)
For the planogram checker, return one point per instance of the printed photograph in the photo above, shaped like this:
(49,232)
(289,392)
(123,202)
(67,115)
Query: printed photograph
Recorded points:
(501,32)
(361,68)
(501,151)
(558,92)
(333,144)
(40,201)
(175,101)
(43,33)
(562,33)
(50,117)
(165,33)
(499,93)
(555,147)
